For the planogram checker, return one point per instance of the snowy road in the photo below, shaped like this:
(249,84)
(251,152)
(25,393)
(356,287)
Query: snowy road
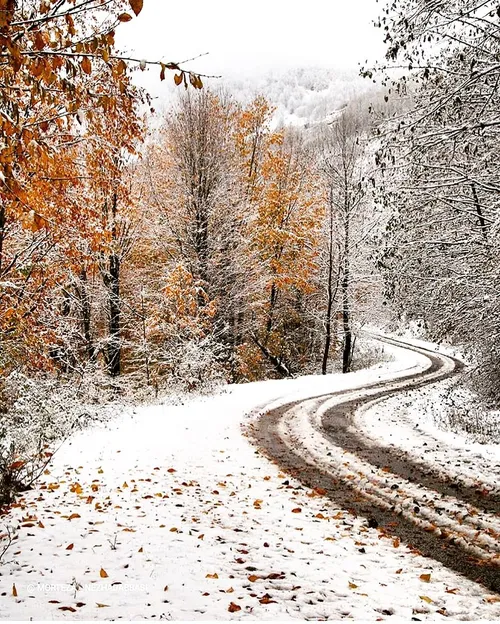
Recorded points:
(317,440)
(169,512)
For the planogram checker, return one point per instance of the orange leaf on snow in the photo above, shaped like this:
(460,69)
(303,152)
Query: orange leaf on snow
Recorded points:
(297,510)
(253,577)
(352,585)
(233,607)
(212,576)
(426,578)
(14,590)
(266,599)
(74,516)
(103,573)
(70,547)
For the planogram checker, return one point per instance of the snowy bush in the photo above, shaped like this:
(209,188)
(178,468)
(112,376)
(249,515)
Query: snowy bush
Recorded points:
(35,413)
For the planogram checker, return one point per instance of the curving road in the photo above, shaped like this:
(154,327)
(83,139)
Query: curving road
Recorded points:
(317,442)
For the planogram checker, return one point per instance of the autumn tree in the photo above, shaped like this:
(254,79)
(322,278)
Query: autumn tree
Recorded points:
(283,237)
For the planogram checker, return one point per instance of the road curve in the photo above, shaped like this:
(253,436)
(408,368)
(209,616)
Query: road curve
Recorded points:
(315,441)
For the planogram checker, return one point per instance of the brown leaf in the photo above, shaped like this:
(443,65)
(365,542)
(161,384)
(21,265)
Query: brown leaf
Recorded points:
(178,81)
(124,17)
(426,578)
(165,588)
(212,576)
(396,542)
(74,516)
(136,6)
(233,607)
(352,585)
(297,510)
(452,591)
(70,547)
(67,609)
(253,577)
(266,599)
(100,605)
(14,590)
(86,65)
(103,573)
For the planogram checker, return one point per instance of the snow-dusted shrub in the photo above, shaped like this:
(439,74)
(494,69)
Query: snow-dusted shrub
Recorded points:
(38,412)
(195,366)
(459,410)
(368,353)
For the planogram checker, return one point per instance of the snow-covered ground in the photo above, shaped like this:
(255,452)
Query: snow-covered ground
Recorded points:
(169,512)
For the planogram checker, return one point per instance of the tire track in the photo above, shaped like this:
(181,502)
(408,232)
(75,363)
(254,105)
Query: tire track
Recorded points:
(470,547)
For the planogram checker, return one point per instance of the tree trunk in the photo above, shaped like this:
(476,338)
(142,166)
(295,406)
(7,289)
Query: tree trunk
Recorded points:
(346,313)
(277,362)
(112,282)
(2,234)
(330,294)
(85,314)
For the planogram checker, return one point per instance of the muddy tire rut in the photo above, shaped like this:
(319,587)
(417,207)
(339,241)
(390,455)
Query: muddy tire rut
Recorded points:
(431,513)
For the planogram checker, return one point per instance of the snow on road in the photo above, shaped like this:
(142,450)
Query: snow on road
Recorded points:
(170,513)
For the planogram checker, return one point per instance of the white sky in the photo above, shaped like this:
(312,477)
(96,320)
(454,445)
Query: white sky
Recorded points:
(255,36)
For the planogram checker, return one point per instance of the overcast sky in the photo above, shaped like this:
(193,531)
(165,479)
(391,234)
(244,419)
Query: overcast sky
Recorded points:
(255,36)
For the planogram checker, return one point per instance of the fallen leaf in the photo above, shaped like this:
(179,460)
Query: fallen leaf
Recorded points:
(100,605)
(103,573)
(233,607)
(266,599)
(396,542)
(352,585)
(253,577)
(426,599)
(70,547)
(297,510)
(67,609)
(74,516)
(212,576)
(426,578)
(14,590)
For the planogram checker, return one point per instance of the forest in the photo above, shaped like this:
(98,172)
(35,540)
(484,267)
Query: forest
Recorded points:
(144,253)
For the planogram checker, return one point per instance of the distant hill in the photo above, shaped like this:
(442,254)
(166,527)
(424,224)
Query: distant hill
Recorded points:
(304,95)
